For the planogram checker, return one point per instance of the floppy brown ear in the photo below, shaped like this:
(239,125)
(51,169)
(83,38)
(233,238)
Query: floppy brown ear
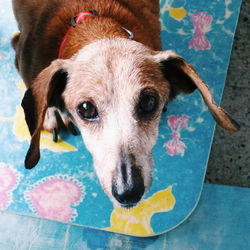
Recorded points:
(184,79)
(37,99)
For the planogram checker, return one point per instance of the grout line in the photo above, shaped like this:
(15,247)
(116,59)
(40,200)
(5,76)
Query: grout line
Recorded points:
(66,239)
(164,243)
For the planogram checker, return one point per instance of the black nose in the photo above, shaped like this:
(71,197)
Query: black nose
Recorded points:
(128,186)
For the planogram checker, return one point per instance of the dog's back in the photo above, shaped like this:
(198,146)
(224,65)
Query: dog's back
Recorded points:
(44,23)
(28,12)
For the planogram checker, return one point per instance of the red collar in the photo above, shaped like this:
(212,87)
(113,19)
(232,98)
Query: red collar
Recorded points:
(74,21)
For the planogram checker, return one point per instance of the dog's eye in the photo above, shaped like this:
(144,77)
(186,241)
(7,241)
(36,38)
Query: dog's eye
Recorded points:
(87,111)
(148,103)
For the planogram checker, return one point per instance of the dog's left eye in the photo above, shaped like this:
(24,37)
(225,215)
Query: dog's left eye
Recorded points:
(148,104)
(87,111)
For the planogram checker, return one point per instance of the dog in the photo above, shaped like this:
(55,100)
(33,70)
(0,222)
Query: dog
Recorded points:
(99,65)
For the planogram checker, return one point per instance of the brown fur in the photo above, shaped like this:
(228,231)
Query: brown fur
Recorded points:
(43,25)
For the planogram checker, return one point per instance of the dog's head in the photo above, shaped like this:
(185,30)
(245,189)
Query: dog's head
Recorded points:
(114,90)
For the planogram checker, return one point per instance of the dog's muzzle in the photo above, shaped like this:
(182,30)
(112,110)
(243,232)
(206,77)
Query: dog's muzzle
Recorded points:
(127,183)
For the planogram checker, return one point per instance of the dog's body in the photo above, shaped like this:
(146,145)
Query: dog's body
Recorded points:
(111,87)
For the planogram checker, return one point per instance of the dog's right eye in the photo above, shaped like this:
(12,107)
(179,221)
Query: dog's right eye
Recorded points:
(87,111)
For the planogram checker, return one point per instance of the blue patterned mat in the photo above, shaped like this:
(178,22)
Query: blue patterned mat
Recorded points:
(199,32)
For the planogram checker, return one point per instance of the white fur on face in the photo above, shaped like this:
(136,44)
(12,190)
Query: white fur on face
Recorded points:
(111,73)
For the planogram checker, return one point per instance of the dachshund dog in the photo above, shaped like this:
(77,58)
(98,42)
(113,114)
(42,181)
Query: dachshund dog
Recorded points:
(99,65)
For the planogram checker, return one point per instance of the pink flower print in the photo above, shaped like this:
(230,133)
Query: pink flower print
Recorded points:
(202,24)
(175,146)
(53,197)
(9,179)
